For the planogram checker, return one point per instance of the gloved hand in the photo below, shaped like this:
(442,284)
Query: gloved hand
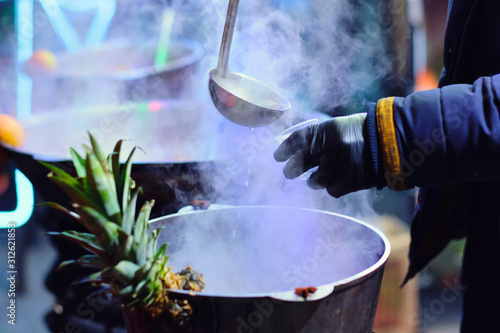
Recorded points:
(337,146)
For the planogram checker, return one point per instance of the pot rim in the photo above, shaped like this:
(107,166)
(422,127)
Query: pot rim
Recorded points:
(196,52)
(290,295)
(44,118)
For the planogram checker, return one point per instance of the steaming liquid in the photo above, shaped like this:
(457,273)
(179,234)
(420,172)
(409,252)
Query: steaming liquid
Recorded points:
(253,92)
(251,156)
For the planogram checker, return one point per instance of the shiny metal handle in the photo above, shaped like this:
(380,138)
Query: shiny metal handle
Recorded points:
(227,36)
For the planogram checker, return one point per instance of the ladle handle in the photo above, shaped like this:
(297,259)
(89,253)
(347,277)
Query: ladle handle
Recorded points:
(227,36)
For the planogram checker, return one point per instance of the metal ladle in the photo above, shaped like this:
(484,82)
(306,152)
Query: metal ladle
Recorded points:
(239,98)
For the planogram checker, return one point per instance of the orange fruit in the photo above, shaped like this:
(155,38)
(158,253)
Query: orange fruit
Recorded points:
(11,131)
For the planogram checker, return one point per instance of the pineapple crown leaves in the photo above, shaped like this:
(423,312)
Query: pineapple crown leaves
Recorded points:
(104,200)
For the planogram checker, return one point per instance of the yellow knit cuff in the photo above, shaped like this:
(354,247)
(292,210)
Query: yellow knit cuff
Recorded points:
(389,144)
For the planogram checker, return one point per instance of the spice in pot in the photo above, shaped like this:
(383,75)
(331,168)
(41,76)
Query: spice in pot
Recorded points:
(200,204)
(305,291)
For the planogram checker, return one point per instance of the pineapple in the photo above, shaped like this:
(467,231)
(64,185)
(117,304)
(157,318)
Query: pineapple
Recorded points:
(122,249)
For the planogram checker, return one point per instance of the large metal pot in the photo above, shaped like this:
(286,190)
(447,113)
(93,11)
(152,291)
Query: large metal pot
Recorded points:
(177,141)
(254,257)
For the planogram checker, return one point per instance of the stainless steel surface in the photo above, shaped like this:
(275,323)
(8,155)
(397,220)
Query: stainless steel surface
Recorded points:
(246,101)
(227,36)
(241,99)
(254,257)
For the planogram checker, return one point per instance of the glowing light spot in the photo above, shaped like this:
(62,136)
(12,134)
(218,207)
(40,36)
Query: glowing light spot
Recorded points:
(142,108)
(42,60)
(426,80)
(11,131)
(155,106)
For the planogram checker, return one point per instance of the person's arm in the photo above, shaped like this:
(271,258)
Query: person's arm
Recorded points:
(441,136)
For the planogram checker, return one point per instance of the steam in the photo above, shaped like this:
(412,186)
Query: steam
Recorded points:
(232,248)
(319,54)
(315,65)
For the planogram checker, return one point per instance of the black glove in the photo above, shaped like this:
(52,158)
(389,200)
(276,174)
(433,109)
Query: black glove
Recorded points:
(337,146)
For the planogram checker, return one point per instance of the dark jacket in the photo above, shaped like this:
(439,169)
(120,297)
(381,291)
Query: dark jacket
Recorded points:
(447,142)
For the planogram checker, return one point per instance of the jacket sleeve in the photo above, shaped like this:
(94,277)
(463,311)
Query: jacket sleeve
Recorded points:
(442,136)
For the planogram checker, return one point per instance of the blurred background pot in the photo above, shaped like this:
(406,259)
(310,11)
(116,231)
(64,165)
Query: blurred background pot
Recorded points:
(112,70)
(176,143)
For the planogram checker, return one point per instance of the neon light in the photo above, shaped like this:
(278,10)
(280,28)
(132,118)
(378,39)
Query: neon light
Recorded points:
(80,6)
(24,23)
(25,202)
(105,10)
(66,32)
(161,56)
(23,102)
(63,28)
(142,108)
(155,106)
(97,31)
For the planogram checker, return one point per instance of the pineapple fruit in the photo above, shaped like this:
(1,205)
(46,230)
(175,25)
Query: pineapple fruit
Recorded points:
(122,249)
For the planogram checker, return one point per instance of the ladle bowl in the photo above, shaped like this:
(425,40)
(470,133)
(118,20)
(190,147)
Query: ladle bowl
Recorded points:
(244,100)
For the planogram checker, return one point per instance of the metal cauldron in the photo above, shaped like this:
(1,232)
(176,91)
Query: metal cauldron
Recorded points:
(177,141)
(253,258)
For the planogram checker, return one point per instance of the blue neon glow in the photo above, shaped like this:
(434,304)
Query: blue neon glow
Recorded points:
(103,16)
(23,102)
(25,203)
(24,22)
(81,6)
(105,10)
(62,27)
(24,188)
